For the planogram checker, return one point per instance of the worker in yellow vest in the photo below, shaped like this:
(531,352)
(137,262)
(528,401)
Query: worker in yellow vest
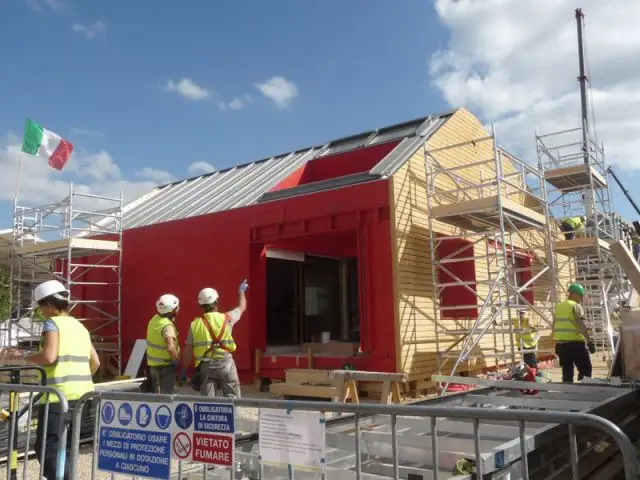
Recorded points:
(570,334)
(573,227)
(526,338)
(163,350)
(69,360)
(635,246)
(210,342)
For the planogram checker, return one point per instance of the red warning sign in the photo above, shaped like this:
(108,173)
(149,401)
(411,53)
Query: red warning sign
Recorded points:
(213,449)
(182,445)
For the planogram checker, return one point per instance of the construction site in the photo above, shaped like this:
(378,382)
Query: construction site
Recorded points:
(388,267)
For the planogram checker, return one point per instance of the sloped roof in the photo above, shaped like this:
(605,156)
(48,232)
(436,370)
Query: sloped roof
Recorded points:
(251,183)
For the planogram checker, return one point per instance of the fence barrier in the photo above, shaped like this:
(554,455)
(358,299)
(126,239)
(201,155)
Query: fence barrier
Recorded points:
(184,409)
(25,388)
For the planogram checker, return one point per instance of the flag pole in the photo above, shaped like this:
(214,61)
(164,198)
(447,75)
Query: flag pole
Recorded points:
(19,177)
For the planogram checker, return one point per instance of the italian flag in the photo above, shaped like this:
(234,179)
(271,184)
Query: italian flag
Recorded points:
(44,143)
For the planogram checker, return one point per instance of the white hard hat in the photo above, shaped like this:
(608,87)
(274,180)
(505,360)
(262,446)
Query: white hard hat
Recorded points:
(613,304)
(49,288)
(167,303)
(207,296)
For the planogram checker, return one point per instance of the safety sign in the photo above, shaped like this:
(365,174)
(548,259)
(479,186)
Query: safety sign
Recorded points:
(140,438)
(210,431)
(292,438)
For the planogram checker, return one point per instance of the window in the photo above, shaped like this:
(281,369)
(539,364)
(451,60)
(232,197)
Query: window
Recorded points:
(464,268)
(306,298)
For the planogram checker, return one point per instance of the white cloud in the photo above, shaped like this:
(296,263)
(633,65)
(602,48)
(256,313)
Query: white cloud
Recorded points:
(90,31)
(79,132)
(200,168)
(515,63)
(156,175)
(52,4)
(235,104)
(95,173)
(279,90)
(188,89)
(238,103)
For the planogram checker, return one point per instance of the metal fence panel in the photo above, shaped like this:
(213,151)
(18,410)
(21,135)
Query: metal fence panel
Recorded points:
(389,440)
(17,430)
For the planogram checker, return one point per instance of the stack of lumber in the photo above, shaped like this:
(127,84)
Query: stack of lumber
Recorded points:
(308,383)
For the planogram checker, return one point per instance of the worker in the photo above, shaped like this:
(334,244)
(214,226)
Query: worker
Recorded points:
(69,361)
(570,334)
(614,315)
(635,246)
(526,338)
(210,342)
(163,350)
(573,227)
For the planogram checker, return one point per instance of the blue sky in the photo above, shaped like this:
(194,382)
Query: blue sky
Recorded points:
(147,89)
(356,65)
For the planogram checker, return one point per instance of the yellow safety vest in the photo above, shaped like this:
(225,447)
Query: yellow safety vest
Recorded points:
(71,372)
(202,340)
(157,350)
(615,320)
(574,222)
(528,334)
(565,327)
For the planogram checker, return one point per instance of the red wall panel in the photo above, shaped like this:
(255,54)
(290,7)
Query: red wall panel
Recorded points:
(338,165)
(220,250)
(465,270)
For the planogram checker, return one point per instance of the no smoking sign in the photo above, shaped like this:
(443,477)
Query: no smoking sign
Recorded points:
(182,445)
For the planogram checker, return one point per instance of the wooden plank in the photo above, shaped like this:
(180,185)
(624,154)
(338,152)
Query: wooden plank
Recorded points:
(481,213)
(573,178)
(580,246)
(314,391)
(84,246)
(310,376)
(624,257)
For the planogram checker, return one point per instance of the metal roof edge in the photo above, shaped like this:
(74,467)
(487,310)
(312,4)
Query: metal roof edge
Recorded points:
(318,145)
(322,185)
(397,157)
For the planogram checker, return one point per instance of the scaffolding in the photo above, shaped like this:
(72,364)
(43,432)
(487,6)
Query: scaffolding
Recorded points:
(574,168)
(491,212)
(79,242)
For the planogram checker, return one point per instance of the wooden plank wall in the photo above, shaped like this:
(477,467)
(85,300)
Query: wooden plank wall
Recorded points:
(416,318)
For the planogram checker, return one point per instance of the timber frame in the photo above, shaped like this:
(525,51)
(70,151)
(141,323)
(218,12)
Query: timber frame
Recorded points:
(460,186)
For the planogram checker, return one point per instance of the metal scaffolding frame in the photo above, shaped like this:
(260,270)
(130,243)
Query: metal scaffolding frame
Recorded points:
(574,167)
(496,213)
(79,242)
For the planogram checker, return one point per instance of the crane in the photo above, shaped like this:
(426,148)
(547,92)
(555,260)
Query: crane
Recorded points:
(624,190)
(636,224)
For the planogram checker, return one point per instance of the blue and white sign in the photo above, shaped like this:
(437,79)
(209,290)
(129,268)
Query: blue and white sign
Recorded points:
(163,417)
(125,414)
(108,412)
(129,444)
(143,415)
(138,439)
(184,416)
(214,418)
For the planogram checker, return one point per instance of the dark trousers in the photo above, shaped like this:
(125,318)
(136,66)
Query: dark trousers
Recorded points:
(163,379)
(530,359)
(565,227)
(570,354)
(52,442)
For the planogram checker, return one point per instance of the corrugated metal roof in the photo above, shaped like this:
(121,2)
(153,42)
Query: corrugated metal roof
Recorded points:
(247,184)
